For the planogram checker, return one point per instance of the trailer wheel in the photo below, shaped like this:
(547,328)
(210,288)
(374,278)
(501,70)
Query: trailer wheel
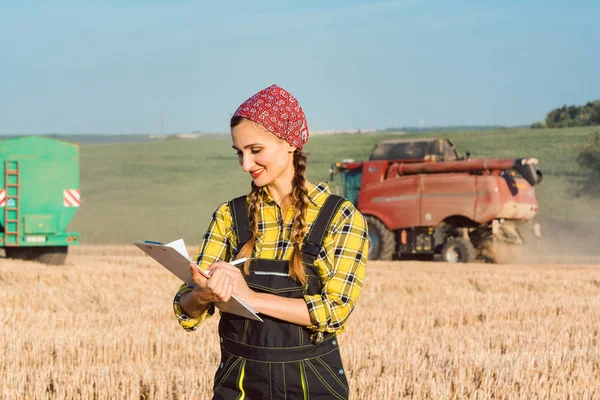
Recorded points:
(458,250)
(19,253)
(381,240)
(52,255)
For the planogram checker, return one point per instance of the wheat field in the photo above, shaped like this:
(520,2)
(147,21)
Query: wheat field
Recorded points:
(102,327)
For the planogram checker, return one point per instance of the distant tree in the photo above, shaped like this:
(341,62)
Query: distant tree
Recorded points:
(567,116)
(552,118)
(589,160)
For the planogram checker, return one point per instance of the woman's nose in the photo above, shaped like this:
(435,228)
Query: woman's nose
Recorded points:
(246,162)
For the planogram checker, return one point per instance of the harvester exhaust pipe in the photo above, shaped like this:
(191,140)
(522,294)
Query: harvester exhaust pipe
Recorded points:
(332,169)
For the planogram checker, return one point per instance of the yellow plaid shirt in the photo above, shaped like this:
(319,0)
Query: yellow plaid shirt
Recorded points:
(341,262)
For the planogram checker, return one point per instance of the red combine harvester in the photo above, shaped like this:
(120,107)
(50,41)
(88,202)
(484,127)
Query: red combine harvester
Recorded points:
(419,197)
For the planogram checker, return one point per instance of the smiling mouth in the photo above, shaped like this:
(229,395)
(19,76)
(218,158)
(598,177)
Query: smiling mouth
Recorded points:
(257,173)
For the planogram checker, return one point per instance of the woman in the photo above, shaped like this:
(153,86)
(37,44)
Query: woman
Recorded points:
(307,250)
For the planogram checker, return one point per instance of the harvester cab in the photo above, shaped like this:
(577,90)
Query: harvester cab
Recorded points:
(414,149)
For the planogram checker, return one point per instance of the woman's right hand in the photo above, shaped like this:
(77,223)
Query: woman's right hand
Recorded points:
(218,288)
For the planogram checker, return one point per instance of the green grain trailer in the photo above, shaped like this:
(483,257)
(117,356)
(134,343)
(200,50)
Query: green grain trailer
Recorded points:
(39,194)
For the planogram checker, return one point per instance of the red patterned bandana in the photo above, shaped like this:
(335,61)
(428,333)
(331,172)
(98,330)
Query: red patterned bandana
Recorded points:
(278,111)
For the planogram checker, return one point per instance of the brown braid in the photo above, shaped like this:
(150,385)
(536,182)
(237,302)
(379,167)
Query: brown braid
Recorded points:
(253,210)
(300,199)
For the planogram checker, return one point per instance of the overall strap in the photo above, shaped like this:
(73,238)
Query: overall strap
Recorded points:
(239,213)
(315,237)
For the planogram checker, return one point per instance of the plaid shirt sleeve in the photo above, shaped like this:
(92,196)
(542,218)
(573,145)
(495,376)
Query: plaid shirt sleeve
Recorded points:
(215,245)
(188,323)
(344,278)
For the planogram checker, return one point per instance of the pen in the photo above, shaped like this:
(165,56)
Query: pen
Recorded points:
(234,263)
(238,262)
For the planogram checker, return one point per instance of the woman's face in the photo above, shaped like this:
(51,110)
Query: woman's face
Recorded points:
(267,158)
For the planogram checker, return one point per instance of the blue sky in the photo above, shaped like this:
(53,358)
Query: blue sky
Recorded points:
(115,66)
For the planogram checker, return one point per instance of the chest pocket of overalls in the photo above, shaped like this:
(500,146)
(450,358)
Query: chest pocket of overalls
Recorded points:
(272,276)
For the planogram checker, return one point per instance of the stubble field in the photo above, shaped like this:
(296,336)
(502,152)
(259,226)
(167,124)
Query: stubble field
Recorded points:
(102,327)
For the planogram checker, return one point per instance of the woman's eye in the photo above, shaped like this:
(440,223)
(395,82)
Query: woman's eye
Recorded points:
(239,153)
(255,151)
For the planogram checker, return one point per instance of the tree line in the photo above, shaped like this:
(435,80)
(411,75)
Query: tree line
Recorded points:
(567,116)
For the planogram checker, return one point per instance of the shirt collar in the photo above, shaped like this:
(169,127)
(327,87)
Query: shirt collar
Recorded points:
(317,194)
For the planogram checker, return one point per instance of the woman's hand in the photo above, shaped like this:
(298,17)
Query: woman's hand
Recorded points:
(235,276)
(218,288)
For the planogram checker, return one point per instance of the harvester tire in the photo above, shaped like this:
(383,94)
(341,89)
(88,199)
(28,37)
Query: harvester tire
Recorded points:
(52,255)
(458,250)
(381,240)
(487,252)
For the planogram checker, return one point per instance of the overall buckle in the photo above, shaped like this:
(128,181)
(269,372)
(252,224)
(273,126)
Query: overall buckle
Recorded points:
(311,249)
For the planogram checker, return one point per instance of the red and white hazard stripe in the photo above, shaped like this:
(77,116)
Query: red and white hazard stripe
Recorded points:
(71,198)
(2,198)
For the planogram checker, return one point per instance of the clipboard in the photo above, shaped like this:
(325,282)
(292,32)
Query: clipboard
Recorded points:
(173,256)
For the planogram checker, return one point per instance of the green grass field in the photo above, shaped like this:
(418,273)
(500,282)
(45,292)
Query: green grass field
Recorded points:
(165,190)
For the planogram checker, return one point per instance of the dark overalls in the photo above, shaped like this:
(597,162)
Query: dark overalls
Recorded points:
(276,359)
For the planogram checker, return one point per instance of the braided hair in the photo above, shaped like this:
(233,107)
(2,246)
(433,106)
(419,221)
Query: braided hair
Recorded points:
(301,200)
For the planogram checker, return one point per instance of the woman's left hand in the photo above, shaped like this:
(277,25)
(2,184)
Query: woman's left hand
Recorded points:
(241,288)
